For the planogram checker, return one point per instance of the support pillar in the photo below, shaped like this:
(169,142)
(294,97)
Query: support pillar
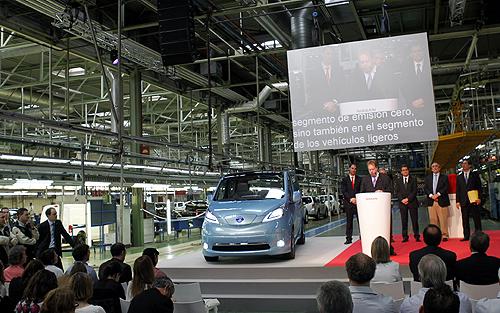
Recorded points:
(137,217)
(135,108)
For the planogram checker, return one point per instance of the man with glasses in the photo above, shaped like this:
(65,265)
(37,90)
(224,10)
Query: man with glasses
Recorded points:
(436,189)
(50,234)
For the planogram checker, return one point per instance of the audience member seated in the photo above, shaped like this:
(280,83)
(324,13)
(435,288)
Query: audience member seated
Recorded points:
(432,238)
(77,267)
(334,297)
(479,268)
(17,259)
(60,300)
(81,284)
(387,270)
(440,300)
(155,299)
(108,290)
(489,305)
(143,277)
(3,290)
(18,285)
(36,290)
(432,271)
(360,270)
(118,253)
(81,253)
(49,258)
(153,254)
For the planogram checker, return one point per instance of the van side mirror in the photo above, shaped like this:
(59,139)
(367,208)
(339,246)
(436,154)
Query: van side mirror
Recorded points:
(296,196)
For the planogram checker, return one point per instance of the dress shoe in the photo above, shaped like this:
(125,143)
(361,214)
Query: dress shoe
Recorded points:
(465,239)
(348,242)
(392,239)
(418,240)
(445,239)
(405,240)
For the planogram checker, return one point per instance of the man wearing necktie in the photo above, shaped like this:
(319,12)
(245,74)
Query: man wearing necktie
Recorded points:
(436,189)
(467,181)
(50,234)
(406,190)
(417,88)
(349,187)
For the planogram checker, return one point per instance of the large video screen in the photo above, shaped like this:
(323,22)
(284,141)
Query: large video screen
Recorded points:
(367,93)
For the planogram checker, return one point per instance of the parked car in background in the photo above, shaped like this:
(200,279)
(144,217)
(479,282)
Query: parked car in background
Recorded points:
(315,207)
(195,207)
(329,201)
(254,213)
(179,206)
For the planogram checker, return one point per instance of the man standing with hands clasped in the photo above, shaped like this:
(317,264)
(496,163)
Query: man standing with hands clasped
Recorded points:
(350,186)
(436,189)
(51,232)
(469,182)
(406,190)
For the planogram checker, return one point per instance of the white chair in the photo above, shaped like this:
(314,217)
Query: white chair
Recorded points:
(398,303)
(393,290)
(473,304)
(187,298)
(124,304)
(477,292)
(415,286)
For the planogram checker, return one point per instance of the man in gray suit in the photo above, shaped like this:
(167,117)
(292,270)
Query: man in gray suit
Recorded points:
(360,271)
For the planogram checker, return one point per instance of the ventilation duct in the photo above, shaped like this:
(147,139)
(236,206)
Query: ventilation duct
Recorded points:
(304,33)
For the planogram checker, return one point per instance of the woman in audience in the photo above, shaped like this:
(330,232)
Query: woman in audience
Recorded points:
(18,284)
(17,258)
(387,270)
(60,300)
(49,258)
(36,290)
(3,290)
(108,290)
(143,277)
(78,267)
(81,284)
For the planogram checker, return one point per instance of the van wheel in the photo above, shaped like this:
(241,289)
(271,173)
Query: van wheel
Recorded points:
(302,238)
(211,258)
(291,255)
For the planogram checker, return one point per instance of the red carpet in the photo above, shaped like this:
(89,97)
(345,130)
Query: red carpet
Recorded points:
(403,249)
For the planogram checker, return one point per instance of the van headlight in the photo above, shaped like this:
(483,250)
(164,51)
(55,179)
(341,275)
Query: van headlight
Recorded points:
(274,215)
(209,217)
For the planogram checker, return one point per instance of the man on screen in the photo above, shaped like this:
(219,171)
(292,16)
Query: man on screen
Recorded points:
(371,81)
(417,85)
(350,186)
(324,83)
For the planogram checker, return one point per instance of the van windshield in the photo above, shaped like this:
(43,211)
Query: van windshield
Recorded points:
(256,186)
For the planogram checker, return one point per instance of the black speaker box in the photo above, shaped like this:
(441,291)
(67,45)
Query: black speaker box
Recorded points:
(176,30)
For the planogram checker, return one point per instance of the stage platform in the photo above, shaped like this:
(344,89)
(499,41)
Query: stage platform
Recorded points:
(270,284)
(263,284)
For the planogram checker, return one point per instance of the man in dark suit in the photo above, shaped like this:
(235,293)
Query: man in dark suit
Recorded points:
(418,82)
(50,234)
(406,190)
(350,186)
(436,189)
(479,268)
(324,84)
(155,299)
(375,182)
(467,181)
(118,253)
(370,81)
(432,238)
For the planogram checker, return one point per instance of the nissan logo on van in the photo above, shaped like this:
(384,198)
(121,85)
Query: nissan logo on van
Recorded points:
(239,219)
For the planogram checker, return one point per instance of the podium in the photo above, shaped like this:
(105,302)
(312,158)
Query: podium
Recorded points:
(374,215)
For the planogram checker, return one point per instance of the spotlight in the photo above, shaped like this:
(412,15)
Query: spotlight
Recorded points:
(113,56)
